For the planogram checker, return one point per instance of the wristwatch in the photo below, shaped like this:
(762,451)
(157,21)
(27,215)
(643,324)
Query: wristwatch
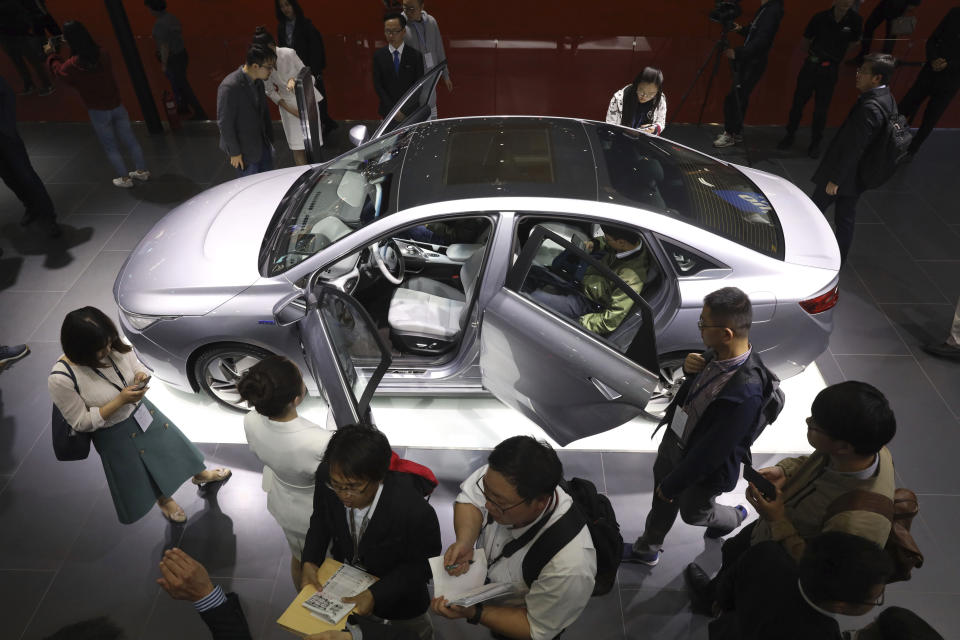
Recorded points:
(477,613)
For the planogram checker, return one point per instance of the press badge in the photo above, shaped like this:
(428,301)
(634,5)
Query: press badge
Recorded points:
(679,423)
(143,417)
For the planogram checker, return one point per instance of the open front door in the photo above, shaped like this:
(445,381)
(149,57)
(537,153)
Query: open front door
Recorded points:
(338,338)
(572,380)
(414,105)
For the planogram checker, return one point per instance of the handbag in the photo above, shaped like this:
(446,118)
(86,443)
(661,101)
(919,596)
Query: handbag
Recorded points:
(903,26)
(68,443)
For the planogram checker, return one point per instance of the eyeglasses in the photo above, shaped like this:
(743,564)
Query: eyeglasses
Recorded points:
(702,326)
(347,491)
(491,501)
(392,32)
(268,67)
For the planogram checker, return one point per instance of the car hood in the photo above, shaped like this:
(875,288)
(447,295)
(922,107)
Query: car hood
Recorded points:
(807,237)
(204,252)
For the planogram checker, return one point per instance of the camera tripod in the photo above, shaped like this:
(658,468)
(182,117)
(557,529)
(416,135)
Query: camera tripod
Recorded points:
(716,55)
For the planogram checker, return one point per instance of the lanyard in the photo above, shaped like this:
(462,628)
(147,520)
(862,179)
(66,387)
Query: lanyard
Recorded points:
(119,375)
(357,535)
(516,544)
(421,36)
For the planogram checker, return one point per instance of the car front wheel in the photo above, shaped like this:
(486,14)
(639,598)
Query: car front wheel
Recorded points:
(219,368)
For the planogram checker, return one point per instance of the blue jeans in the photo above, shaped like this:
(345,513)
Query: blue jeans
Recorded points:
(113,125)
(569,305)
(265,163)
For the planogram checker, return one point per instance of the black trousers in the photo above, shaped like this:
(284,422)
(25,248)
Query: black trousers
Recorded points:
(940,88)
(745,79)
(182,91)
(886,11)
(818,82)
(18,174)
(844,216)
(23,49)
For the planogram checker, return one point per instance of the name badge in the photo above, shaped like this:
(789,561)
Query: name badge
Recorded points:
(143,417)
(679,423)
(428,61)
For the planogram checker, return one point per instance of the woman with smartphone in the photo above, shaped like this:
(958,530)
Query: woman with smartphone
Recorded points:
(99,386)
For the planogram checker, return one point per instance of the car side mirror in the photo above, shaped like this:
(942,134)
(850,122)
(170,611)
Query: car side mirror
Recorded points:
(358,134)
(290,310)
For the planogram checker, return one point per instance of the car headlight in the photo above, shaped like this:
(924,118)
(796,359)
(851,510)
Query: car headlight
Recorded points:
(141,322)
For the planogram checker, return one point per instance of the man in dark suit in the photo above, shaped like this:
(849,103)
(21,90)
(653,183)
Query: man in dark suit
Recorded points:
(768,595)
(246,133)
(837,176)
(396,67)
(376,520)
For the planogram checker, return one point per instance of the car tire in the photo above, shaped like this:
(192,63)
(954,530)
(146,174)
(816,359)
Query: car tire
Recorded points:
(217,370)
(671,370)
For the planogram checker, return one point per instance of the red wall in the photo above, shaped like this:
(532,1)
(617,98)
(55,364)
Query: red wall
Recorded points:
(507,58)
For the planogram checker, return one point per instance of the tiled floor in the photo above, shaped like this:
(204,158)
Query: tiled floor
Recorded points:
(64,557)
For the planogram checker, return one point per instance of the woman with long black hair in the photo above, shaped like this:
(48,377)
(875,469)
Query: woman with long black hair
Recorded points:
(641,105)
(297,32)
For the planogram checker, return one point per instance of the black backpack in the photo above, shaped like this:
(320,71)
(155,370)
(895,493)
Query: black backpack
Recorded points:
(886,151)
(594,510)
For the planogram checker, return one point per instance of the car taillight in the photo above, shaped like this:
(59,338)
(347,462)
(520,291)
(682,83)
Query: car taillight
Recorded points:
(822,302)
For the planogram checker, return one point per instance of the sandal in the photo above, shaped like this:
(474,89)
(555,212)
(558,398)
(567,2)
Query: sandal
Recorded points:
(179,516)
(221,473)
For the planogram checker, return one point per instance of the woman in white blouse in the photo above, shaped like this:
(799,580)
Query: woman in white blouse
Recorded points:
(641,105)
(145,456)
(290,447)
(280,88)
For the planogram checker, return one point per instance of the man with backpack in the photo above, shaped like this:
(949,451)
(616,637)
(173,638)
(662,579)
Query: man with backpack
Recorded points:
(514,505)
(841,176)
(711,423)
(833,489)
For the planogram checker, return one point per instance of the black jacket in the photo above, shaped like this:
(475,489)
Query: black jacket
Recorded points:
(759,34)
(864,122)
(389,85)
(721,439)
(400,536)
(944,42)
(243,116)
(307,42)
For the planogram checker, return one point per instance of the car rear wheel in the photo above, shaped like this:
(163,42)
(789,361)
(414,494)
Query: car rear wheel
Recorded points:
(218,369)
(671,370)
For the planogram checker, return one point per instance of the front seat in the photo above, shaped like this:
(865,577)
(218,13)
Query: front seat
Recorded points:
(426,316)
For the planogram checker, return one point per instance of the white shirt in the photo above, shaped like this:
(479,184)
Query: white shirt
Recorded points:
(561,592)
(83,411)
(288,66)
(400,49)
(359,515)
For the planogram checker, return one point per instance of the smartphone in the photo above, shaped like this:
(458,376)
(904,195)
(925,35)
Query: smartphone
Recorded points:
(143,383)
(766,488)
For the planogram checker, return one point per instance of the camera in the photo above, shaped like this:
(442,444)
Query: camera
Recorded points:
(726,12)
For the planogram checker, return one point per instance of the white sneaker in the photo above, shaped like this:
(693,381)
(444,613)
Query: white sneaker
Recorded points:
(727,140)
(143,176)
(125,183)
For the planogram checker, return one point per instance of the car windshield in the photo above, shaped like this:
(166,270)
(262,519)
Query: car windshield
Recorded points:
(657,174)
(340,198)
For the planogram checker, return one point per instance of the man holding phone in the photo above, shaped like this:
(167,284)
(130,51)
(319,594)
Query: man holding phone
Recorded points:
(850,424)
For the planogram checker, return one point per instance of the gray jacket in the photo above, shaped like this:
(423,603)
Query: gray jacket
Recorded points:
(243,116)
(432,42)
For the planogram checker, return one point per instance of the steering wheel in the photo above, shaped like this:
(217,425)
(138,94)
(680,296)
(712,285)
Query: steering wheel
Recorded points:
(393,259)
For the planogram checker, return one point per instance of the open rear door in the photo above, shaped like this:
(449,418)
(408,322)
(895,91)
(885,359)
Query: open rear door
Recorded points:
(570,381)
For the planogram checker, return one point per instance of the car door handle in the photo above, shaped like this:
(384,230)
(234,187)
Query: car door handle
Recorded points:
(608,392)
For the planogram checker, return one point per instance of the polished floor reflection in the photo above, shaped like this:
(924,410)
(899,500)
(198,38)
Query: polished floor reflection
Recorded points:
(64,557)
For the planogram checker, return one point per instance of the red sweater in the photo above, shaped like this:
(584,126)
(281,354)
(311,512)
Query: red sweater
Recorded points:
(97,87)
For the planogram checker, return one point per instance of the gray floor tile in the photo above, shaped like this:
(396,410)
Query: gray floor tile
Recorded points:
(583,464)
(915,225)
(20,593)
(934,530)
(660,615)
(946,275)
(47,166)
(176,619)
(886,270)
(135,226)
(106,199)
(939,610)
(600,618)
(859,325)
(828,367)
(22,311)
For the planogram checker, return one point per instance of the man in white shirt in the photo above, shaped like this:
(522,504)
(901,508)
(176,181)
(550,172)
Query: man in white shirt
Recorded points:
(507,505)
(396,67)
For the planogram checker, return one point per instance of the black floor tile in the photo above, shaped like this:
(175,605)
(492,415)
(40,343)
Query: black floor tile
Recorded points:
(20,593)
(934,530)
(859,325)
(660,615)
(171,618)
(885,268)
(946,275)
(915,225)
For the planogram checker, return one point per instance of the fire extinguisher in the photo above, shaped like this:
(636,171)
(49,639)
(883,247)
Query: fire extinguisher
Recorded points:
(171,107)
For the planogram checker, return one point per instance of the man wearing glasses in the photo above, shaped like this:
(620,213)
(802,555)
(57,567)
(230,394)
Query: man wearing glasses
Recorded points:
(375,520)
(396,67)
(507,504)
(246,133)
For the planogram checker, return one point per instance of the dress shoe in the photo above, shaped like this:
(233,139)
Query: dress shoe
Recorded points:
(700,588)
(52,229)
(943,350)
(814,149)
(786,143)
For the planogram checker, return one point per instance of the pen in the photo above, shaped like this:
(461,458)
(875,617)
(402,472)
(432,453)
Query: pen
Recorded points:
(454,566)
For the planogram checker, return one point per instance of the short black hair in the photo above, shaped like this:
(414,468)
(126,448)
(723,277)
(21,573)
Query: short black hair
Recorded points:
(897,623)
(841,567)
(262,37)
(260,54)
(881,64)
(730,307)
(530,465)
(297,11)
(396,16)
(622,233)
(271,385)
(857,413)
(81,43)
(156,5)
(102,628)
(87,330)
(359,452)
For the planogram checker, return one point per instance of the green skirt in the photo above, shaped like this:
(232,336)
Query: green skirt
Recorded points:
(141,466)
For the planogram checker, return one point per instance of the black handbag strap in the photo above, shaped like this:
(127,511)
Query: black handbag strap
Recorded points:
(69,374)
(519,543)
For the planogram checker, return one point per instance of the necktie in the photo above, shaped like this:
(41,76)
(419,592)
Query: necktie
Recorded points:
(396,62)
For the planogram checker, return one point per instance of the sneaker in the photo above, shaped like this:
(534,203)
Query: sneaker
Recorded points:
(46,91)
(814,149)
(142,176)
(786,143)
(15,352)
(649,558)
(718,532)
(124,183)
(727,140)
